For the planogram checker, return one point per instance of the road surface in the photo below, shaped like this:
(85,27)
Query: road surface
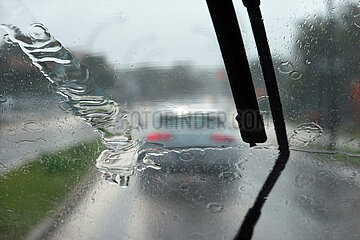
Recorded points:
(315,198)
(205,196)
(29,134)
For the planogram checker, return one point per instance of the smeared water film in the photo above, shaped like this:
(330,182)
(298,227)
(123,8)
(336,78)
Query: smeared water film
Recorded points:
(74,82)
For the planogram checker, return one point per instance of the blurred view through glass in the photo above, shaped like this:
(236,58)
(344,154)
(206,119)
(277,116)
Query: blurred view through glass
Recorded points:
(117,121)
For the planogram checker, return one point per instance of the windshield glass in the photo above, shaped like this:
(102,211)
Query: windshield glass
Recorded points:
(117,121)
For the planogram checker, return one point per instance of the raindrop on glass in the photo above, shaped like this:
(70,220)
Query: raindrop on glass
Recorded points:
(286,67)
(11,132)
(186,156)
(305,133)
(215,207)
(39,32)
(295,75)
(32,126)
(321,174)
(184,187)
(64,106)
(2,99)
(229,176)
(303,180)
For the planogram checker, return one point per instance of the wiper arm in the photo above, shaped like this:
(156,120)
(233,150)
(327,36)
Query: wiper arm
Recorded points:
(234,55)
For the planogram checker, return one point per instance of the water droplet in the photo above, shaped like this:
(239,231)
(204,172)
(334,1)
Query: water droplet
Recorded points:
(32,126)
(229,176)
(64,106)
(286,67)
(92,200)
(303,180)
(12,132)
(184,187)
(186,156)
(305,133)
(321,174)
(2,99)
(215,207)
(295,75)
(39,32)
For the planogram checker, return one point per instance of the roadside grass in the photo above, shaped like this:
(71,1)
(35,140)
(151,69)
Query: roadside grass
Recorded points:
(346,159)
(341,155)
(35,190)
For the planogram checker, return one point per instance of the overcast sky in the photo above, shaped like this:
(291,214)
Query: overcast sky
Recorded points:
(159,31)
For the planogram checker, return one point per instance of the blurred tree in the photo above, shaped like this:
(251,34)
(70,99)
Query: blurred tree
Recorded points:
(101,70)
(18,75)
(178,81)
(328,48)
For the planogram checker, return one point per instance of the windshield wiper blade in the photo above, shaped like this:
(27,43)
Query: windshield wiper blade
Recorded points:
(238,71)
(233,51)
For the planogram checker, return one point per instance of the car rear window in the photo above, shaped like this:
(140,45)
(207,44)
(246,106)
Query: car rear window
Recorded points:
(193,121)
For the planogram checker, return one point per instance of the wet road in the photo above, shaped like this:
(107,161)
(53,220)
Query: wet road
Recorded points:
(207,198)
(28,134)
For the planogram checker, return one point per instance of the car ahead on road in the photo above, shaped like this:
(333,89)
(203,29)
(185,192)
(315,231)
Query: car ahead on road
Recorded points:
(187,131)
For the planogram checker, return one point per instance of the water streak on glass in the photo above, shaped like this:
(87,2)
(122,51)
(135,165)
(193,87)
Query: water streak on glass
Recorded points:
(305,133)
(74,82)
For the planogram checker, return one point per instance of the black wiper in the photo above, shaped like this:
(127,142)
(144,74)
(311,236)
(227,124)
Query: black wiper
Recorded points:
(238,71)
(232,48)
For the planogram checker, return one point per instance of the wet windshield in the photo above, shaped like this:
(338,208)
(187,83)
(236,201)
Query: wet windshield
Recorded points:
(117,121)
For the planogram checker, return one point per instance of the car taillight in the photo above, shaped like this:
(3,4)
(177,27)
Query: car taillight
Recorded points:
(158,136)
(219,137)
